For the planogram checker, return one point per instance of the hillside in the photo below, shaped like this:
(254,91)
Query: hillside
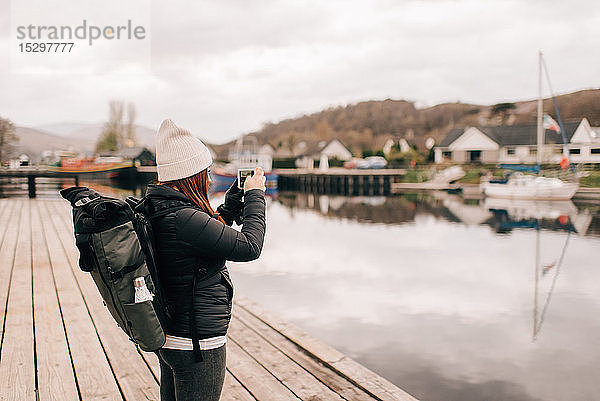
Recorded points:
(368,125)
(91,132)
(64,136)
(34,141)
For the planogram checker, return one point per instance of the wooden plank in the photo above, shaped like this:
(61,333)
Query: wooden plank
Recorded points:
(234,391)
(329,377)
(17,363)
(152,361)
(8,231)
(301,382)
(93,373)
(4,203)
(56,379)
(257,380)
(131,371)
(357,374)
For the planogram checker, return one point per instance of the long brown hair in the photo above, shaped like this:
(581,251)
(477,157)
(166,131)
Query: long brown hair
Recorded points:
(195,188)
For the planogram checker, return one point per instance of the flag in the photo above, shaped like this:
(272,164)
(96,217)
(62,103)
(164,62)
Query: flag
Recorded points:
(550,124)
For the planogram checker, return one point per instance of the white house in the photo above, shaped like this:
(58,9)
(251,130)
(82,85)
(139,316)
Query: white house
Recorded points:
(307,153)
(584,146)
(518,144)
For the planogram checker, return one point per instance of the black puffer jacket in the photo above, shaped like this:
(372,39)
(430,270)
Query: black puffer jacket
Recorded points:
(187,238)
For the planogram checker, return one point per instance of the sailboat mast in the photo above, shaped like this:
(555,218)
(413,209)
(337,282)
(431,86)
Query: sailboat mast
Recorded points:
(540,130)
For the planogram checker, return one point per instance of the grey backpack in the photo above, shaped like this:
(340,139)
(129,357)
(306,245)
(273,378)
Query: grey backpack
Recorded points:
(116,246)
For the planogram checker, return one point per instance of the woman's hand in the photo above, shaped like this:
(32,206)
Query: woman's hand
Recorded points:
(256,181)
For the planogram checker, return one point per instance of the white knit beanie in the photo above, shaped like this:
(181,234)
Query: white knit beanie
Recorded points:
(178,153)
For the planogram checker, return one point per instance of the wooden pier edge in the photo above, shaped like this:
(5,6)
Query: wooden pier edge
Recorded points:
(357,374)
(58,341)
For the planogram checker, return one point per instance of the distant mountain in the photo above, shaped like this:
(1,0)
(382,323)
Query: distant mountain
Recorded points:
(368,125)
(33,142)
(62,129)
(91,131)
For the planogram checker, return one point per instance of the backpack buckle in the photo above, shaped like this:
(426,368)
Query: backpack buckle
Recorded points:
(84,201)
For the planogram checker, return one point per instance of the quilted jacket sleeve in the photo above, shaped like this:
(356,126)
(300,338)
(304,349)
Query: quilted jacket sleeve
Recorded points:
(211,237)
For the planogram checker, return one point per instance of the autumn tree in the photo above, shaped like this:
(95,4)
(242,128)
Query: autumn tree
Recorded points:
(7,139)
(503,110)
(323,131)
(116,133)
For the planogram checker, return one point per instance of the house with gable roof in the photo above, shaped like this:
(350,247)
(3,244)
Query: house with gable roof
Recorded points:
(307,153)
(518,144)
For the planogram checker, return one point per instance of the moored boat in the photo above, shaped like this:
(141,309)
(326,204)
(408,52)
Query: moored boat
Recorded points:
(522,186)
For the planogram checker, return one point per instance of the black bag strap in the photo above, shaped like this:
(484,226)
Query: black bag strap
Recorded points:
(144,209)
(127,269)
(209,279)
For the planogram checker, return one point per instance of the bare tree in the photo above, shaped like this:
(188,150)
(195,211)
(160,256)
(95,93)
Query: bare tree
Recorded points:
(7,139)
(130,135)
(112,136)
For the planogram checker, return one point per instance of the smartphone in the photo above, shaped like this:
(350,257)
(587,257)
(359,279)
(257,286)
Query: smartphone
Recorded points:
(242,174)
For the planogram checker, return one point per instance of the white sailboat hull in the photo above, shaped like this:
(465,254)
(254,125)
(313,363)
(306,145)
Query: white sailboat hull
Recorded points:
(531,187)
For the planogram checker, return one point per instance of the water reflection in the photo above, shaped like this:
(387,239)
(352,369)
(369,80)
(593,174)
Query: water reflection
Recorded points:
(430,293)
(502,215)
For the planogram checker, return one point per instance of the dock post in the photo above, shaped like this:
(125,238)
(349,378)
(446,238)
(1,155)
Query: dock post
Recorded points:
(386,185)
(355,185)
(31,185)
(76,180)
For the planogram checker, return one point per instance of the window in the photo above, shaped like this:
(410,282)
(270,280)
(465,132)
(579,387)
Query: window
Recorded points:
(447,155)
(510,151)
(596,151)
(575,151)
(533,151)
(557,151)
(474,155)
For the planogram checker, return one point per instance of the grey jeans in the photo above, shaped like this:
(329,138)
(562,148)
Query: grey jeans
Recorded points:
(184,379)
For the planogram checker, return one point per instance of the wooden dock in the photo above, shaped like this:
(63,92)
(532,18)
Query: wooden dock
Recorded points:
(339,181)
(58,341)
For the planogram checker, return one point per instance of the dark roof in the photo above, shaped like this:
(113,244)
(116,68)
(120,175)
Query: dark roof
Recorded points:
(510,135)
(131,153)
(452,136)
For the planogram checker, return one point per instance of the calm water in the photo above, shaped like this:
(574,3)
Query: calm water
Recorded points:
(440,296)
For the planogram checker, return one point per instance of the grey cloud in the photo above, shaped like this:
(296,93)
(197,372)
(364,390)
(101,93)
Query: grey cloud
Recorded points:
(225,68)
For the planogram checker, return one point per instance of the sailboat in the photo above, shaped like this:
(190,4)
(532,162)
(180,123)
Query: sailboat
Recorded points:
(523,186)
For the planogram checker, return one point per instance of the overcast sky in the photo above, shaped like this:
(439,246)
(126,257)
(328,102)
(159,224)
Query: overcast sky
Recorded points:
(223,68)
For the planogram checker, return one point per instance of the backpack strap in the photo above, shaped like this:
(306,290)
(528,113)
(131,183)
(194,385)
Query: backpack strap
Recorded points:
(209,279)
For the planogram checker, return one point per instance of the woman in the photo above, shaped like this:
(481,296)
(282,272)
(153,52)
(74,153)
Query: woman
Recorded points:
(193,243)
